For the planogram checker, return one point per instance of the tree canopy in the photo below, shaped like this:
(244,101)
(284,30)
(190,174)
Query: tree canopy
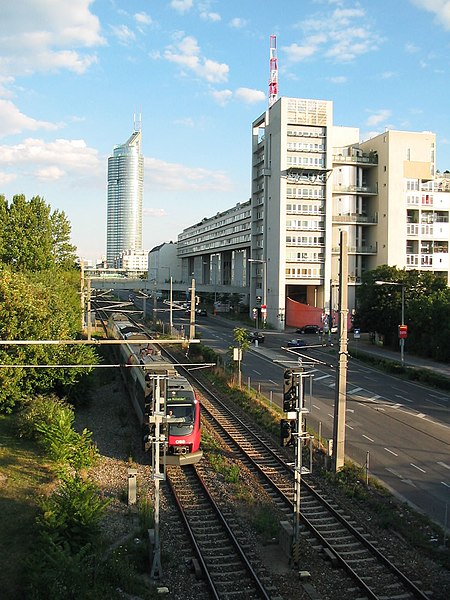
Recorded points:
(426,307)
(32,237)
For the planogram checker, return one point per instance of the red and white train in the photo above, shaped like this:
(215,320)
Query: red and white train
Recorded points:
(142,364)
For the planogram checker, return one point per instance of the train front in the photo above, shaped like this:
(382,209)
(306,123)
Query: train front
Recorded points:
(183,407)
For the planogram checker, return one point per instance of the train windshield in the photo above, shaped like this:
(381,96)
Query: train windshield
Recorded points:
(184,411)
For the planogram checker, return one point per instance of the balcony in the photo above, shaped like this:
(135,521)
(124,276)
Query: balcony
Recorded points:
(355,218)
(355,189)
(364,159)
(357,249)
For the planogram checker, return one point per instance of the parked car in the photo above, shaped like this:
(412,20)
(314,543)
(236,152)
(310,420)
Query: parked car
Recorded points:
(309,329)
(201,312)
(256,335)
(296,343)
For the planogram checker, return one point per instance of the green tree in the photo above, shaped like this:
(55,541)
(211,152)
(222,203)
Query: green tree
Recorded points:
(32,238)
(39,306)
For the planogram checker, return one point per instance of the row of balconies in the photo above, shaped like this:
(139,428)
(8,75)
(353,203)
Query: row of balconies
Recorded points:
(356,218)
(363,159)
(371,249)
(354,189)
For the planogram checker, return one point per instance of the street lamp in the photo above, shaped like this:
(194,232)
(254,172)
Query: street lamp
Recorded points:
(402,339)
(263,262)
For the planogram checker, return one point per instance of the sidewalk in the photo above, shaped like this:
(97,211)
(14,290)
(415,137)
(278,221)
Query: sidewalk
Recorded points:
(367,347)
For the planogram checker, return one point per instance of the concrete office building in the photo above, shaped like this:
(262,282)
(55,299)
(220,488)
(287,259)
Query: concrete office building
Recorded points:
(125,194)
(310,180)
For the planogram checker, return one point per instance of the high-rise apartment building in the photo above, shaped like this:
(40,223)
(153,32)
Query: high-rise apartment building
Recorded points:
(311,180)
(125,194)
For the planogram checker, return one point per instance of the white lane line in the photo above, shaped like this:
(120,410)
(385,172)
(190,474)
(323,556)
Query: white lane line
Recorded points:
(446,484)
(332,416)
(443,465)
(257,372)
(403,398)
(387,450)
(416,467)
(394,472)
(331,385)
(349,426)
(373,398)
(421,415)
(367,438)
(350,410)
(357,389)
(396,405)
(315,406)
(274,383)
(322,377)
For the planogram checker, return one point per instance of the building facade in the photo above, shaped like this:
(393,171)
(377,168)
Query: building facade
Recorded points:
(125,195)
(311,180)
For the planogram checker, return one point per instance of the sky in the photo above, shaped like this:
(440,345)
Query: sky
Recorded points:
(74,73)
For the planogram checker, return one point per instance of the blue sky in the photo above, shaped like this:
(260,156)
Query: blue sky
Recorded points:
(74,72)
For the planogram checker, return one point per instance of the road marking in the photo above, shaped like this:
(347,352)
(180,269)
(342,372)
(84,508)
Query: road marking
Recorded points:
(318,407)
(444,465)
(322,377)
(332,416)
(331,385)
(367,438)
(274,383)
(397,405)
(421,415)
(387,450)
(257,372)
(350,410)
(416,467)
(446,484)
(357,389)
(394,473)
(373,398)
(349,426)
(403,398)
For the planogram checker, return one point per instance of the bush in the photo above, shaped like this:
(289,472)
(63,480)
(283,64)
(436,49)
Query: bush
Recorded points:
(72,514)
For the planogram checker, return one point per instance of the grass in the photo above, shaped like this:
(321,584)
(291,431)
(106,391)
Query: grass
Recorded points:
(24,476)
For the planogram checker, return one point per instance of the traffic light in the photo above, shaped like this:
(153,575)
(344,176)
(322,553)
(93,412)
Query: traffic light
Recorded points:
(285,433)
(289,391)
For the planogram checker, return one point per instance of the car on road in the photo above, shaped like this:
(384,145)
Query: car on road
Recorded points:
(254,336)
(309,329)
(201,312)
(296,343)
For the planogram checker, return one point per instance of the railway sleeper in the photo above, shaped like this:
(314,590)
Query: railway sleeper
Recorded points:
(331,556)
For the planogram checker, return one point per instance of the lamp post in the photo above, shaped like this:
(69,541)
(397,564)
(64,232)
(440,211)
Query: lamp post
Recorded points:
(402,339)
(170,299)
(263,262)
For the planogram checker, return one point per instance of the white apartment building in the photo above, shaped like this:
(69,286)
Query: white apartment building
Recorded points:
(132,260)
(310,180)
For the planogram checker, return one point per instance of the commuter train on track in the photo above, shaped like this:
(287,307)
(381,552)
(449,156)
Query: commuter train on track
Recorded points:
(142,364)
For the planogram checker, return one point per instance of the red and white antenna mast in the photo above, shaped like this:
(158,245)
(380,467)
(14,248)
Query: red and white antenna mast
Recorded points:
(273,81)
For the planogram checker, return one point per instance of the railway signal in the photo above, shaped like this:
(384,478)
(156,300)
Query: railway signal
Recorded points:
(289,391)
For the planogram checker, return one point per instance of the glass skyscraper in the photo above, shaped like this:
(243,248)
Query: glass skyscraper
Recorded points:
(125,194)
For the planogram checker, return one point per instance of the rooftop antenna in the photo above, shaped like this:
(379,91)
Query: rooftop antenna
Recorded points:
(273,81)
(137,122)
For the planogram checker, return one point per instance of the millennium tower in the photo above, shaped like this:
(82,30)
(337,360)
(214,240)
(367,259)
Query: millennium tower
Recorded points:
(125,193)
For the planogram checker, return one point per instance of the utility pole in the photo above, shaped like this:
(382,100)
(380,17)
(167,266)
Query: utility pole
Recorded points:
(192,312)
(82,294)
(88,308)
(340,399)
(171,306)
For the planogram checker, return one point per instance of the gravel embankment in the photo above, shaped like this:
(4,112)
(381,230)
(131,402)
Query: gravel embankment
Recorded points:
(117,436)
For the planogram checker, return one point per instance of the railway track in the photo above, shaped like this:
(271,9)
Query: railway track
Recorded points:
(221,557)
(326,526)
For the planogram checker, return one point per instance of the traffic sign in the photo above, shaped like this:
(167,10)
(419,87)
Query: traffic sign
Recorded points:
(403,332)
(263,309)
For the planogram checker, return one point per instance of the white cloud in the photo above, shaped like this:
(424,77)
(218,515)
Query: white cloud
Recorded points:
(154,212)
(411,48)
(51,160)
(176,177)
(7,178)
(186,122)
(47,36)
(440,8)
(338,79)
(12,121)
(250,96)
(210,16)
(341,35)
(238,23)
(388,74)
(186,53)
(378,117)
(222,97)
(123,34)
(143,18)
(181,6)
